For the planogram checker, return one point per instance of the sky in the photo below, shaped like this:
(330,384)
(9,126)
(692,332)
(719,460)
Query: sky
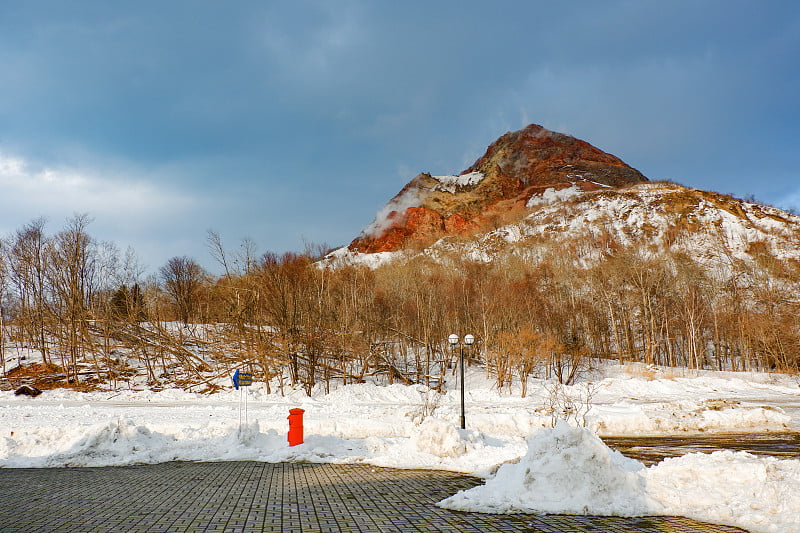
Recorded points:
(293,123)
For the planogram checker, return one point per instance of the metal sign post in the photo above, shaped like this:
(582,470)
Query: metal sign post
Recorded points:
(242,379)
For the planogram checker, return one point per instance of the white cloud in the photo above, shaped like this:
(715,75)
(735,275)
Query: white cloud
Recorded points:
(55,191)
(130,205)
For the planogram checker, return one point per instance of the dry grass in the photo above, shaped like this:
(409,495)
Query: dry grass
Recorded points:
(45,377)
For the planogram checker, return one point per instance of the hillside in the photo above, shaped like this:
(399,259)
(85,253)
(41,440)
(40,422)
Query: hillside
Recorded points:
(515,167)
(535,189)
(711,228)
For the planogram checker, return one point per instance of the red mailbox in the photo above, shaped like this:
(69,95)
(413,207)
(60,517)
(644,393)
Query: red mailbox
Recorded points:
(295,426)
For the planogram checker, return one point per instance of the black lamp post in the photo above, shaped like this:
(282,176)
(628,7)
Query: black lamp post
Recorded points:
(468,340)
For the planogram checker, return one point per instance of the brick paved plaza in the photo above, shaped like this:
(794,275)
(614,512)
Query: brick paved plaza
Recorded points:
(250,497)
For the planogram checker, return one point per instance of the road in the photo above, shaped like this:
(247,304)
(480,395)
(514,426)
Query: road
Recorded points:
(250,497)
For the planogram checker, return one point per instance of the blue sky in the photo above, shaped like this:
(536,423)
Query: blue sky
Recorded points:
(287,122)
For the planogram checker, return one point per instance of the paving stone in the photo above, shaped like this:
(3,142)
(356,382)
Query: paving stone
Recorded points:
(252,497)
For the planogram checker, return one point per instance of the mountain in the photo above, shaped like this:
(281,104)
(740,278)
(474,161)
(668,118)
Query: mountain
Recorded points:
(516,166)
(713,229)
(536,190)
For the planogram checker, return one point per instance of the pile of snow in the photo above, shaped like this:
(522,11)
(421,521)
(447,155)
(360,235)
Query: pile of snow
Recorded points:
(440,438)
(434,444)
(568,470)
(664,418)
(737,488)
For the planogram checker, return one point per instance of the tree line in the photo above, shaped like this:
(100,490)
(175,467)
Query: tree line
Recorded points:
(94,316)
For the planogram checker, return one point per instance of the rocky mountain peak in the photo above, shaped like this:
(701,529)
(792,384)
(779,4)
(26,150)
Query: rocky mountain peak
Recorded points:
(538,157)
(515,167)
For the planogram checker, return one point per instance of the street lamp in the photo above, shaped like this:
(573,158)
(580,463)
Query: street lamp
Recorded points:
(468,340)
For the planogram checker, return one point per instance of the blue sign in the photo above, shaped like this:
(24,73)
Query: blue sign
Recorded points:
(242,379)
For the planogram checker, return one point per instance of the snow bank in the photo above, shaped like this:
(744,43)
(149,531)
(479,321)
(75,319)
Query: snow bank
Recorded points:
(737,488)
(383,425)
(668,418)
(433,444)
(568,470)
(123,442)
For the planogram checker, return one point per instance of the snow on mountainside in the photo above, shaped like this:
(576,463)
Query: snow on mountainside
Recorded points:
(706,226)
(709,227)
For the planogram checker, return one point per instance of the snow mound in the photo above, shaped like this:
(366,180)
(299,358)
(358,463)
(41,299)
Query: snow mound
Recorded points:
(124,442)
(440,438)
(756,493)
(668,418)
(566,470)
(570,471)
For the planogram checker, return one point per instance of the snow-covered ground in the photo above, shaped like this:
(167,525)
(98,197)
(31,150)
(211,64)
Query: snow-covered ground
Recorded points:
(569,470)
(409,427)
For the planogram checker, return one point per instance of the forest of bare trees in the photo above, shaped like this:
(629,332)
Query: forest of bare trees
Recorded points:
(95,318)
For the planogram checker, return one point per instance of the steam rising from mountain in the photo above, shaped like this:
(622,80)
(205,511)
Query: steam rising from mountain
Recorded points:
(393,211)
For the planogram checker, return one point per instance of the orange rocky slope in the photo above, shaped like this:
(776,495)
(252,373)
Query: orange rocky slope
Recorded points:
(514,167)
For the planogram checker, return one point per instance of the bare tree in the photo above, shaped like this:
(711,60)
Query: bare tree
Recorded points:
(183,280)
(217,250)
(27,262)
(72,277)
